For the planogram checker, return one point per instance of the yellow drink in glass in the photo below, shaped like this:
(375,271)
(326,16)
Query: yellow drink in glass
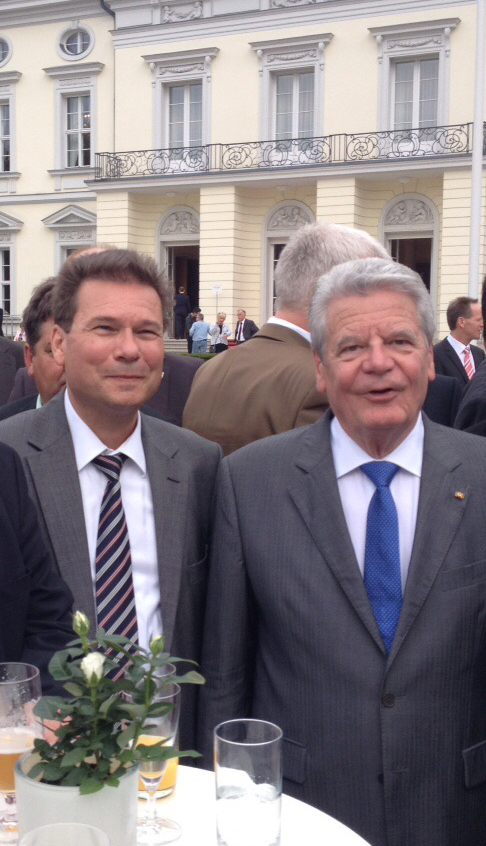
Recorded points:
(152,769)
(13,743)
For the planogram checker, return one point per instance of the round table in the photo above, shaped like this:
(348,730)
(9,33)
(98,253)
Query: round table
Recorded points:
(193,802)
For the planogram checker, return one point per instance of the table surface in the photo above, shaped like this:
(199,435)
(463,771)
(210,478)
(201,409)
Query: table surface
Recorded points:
(193,803)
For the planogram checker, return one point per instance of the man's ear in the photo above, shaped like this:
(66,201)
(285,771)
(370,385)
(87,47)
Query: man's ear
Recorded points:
(28,356)
(320,374)
(57,344)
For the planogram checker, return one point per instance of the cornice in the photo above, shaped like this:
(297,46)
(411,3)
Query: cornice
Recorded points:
(81,69)
(25,13)
(321,12)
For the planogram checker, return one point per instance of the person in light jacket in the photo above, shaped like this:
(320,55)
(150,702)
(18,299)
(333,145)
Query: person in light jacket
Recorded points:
(219,333)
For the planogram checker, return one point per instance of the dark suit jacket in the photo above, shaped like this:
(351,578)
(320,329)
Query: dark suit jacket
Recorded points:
(181,469)
(392,745)
(18,406)
(255,389)
(11,358)
(442,401)
(23,385)
(182,304)
(249,329)
(448,362)
(471,415)
(35,603)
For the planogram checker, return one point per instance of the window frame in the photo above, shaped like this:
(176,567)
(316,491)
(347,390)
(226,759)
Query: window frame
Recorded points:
(184,68)
(74,28)
(8,81)
(74,227)
(290,55)
(8,55)
(424,39)
(9,228)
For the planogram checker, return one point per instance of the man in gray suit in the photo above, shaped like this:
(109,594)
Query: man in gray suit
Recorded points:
(110,310)
(347,593)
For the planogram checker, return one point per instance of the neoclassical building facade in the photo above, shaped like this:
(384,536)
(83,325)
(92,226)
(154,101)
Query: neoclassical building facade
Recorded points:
(205,132)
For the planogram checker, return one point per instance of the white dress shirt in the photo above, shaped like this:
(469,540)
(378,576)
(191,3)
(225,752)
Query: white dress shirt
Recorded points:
(139,513)
(356,489)
(459,348)
(280,322)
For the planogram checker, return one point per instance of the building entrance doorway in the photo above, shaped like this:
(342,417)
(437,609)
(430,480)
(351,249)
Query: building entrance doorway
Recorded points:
(415,253)
(183,271)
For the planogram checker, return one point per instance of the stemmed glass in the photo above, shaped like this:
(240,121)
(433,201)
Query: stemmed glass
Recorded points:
(20,689)
(153,829)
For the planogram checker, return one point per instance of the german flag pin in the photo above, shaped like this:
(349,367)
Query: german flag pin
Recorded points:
(460,495)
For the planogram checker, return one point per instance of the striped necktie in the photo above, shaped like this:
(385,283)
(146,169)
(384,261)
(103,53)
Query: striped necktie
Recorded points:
(115,597)
(468,362)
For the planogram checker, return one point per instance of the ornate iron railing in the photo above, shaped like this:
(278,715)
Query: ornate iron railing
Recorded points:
(293,152)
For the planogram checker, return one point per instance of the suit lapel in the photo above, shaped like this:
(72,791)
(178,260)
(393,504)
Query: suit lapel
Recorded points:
(316,496)
(456,361)
(439,515)
(56,482)
(169,485)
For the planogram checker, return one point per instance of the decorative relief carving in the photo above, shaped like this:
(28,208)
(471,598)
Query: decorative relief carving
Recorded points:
(171,16)
(180,222)
(282,4)
(76,235)
(291,57)
(181,69)
(5,237)
(289,217)
(75,82)
(411,43)
(409,211)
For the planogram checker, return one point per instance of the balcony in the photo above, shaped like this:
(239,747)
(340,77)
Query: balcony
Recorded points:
(258,156)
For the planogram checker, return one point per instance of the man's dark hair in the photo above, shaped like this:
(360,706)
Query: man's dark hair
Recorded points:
(460,307)
(121,266)
(38,310)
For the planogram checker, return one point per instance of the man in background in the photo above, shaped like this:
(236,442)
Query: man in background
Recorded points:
(245,328)
(268,386)
(455,355)
(181,309)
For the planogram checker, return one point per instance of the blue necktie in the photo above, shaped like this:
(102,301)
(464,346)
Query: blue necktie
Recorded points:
(382,553)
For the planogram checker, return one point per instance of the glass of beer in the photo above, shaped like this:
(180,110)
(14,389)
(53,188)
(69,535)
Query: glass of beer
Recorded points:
(20,689)
(153,829)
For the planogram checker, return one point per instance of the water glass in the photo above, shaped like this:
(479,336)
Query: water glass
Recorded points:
(248,769)
(66,834)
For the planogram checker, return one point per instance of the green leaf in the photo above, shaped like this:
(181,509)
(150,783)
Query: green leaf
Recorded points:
(192,677)
(52,771)
(126,736)
(75,756)
(72,778)
(36,770)
(47,708)
(107,703)
(58,665)
(90,785)
(74,689)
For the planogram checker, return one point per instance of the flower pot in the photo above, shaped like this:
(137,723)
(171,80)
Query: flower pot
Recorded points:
(112,809)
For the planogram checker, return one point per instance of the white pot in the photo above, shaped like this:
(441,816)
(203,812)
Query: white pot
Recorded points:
(112,809)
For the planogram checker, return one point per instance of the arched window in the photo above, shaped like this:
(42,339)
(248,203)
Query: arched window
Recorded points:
(281,222)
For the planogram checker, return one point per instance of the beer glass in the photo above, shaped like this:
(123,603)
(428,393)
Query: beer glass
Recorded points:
(20,689)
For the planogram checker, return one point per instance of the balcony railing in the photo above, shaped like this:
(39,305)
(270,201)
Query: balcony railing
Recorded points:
(364,147)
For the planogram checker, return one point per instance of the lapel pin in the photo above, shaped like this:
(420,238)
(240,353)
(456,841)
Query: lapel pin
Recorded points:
(459,495)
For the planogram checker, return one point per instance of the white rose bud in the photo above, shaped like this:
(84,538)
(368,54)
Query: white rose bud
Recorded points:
(92,666)
(157,645)
(80,623)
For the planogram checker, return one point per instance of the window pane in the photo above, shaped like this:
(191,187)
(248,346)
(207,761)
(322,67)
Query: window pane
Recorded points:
(429,92)
(306,105)
(3,49)
(72,112)
(195,115)
(284,100)
(403,117)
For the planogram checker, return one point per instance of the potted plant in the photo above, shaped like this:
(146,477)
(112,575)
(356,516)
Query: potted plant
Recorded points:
(90,772)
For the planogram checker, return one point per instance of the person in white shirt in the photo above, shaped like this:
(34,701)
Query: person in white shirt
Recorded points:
(455,355)
(219,333)
(110,310)
(347,588)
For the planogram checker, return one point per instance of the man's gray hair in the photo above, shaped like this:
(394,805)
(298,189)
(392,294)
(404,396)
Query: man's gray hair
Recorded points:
(314,250)
(362,277)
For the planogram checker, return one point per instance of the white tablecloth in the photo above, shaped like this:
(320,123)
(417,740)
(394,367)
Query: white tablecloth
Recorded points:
(193,802)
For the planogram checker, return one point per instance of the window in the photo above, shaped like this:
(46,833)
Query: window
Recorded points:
(281,223)
(292,88)
(74,228)
(185,115)
(182,103)
(5,50)
(294,105)
(416,93)
(78,131)
(75,42)
(5,281)
(5,137)
(414,61)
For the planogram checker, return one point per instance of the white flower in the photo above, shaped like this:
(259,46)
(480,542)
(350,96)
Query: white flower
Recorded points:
(157,645)
(92,666)
(80,623)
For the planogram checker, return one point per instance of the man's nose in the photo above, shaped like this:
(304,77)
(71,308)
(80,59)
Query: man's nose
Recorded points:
(378,358)
(127,346)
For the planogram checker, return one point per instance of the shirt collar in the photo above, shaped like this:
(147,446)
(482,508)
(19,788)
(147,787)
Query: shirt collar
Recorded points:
(456,345)
(280,322)
(348,455)
(87,445)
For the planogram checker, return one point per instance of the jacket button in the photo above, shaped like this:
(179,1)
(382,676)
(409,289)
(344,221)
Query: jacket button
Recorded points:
(388,700)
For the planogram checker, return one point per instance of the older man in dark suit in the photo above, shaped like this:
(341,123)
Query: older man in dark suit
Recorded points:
(348,581)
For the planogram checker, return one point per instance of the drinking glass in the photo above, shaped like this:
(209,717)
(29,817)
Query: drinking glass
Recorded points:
(248,768)
(153,829)
(167,784)
(66,834)
(20,689)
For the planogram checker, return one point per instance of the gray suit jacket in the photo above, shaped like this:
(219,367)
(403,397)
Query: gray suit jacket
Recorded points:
(11,358)
(181,467)
(393,746)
